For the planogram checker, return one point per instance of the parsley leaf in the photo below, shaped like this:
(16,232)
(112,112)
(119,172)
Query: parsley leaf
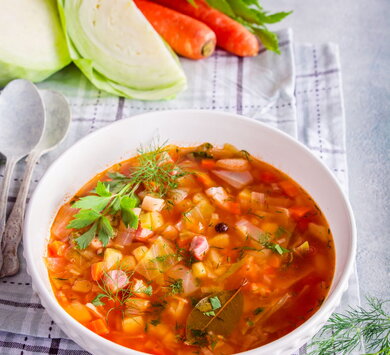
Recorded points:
(96,203)
(83,219)
(86,238)
(276,248)
(97,300)
(148,290)
(130,219)
(102,189)
(105,230)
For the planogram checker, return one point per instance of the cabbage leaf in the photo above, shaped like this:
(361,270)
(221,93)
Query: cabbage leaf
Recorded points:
(119,51)
(32,43)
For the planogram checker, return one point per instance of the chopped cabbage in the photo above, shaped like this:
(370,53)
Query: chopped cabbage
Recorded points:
(32,43)
(119,51)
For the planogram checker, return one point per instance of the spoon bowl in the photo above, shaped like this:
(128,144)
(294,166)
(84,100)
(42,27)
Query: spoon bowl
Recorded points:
(58,117)
(22,119)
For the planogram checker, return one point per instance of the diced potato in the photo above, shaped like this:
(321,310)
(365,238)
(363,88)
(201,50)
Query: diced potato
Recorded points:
(214,219)
(152,204)
(145,220)
(318,231)
(137,305)
(170,232)
(244,198)
(128,263)
(198,270)
(151,220)
(156,219)
(79,312)
(220,241)
(133,325)
(140,252)
(303,248)
(178,195)
(112,257)
(82,286)
(94,310)
(158,259)
(269,227)
(214,258)
(177,307)
(159,330)
(199,196)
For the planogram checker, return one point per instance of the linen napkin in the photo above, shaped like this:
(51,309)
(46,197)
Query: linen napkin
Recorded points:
(298,92)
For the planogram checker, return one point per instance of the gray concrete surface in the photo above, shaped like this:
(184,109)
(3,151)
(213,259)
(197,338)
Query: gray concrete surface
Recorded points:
(362,30)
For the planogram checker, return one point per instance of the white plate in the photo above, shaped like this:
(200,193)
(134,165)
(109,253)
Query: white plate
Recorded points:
(120,141)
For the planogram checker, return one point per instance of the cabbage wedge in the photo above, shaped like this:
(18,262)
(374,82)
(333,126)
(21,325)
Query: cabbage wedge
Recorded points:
(119,51)
(32,43)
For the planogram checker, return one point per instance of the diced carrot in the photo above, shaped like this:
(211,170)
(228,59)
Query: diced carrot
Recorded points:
(97,270)
(98,326)
(274,260)
(234,207)
(297,212)
(56,248)
(268,177)
(205,179)
(208,164)
(289,188)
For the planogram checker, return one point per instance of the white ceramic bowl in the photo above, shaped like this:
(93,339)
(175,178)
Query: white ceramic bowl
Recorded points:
(120,140)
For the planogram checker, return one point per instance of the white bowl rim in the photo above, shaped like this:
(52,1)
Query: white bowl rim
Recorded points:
(324,309)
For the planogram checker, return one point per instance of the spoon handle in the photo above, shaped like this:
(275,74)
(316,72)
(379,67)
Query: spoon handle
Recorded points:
(9,168)
(13,229)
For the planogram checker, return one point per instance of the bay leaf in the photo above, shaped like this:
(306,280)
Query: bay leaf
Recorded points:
(224,321)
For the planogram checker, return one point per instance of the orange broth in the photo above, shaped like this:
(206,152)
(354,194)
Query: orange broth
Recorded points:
(226,222)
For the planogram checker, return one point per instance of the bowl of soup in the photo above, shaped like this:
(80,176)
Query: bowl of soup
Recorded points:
(184,232)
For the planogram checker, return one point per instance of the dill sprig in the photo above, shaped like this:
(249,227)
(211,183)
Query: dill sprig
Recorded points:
(344,333)
(156,171)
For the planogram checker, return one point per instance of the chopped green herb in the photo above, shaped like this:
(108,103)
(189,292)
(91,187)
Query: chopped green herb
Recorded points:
(202,155)
(176,286)
(155,322)
(258,310)
(97,300)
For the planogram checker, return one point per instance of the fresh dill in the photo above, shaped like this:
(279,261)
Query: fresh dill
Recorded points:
(175,286)
(344,333)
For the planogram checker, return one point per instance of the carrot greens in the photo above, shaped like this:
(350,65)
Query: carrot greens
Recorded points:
(253,16)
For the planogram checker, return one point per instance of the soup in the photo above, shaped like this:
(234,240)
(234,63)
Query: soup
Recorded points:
(179,250)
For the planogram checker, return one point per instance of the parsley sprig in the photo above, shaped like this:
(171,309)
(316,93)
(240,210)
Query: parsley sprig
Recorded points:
(95,211)
(155,171)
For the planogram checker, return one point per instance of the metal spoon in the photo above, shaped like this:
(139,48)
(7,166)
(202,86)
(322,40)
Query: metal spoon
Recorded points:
(58,117)
(22,120)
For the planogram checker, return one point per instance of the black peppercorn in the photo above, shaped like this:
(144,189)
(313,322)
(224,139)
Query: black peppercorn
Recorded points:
(221,227)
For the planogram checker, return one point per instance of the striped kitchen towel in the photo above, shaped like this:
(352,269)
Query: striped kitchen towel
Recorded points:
(298,92)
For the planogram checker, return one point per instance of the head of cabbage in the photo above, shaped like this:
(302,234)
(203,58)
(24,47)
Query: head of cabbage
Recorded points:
(119,51)
(32,43)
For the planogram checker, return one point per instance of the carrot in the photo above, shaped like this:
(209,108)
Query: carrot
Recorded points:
(56,248)
(298,212)
(289,188)
(268,177)
(205,179)
(207,164)
(98,326)
(97,270)
(187,36)
(231,35)
(234,207)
